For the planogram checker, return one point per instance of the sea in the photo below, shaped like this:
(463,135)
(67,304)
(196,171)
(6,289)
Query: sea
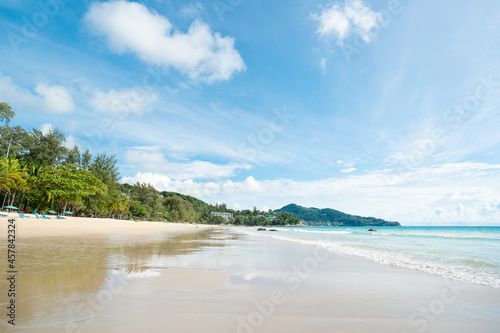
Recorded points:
(468,254)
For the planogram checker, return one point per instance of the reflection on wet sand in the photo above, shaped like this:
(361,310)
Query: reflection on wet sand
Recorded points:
(55,274)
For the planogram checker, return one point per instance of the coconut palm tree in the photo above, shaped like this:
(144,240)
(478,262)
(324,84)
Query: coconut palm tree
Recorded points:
(11,171)
(17,186)
(34,172)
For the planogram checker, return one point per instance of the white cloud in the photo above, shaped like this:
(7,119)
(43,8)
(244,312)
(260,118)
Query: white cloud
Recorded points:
(53,99)
(133,101)
(340,21)
(17,95)
(446,194)
(347,170)
(46,128)
(322,63)
(192,9)
(70,142)
(199,53)
(56,99)
(155,162)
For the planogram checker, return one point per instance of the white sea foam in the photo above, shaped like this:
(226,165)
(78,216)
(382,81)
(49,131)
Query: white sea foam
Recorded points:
(327,232)
(400,260)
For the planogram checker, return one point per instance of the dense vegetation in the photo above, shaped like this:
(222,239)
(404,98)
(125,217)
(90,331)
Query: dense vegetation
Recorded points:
(41,174)
(327,216)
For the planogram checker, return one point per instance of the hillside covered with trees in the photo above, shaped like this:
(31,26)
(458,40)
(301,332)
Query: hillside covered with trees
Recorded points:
(38,173)
(328,216)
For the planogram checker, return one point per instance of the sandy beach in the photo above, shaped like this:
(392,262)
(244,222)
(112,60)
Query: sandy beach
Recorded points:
(86,275)
(38,227)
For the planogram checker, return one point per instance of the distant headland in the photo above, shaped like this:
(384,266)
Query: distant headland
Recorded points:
(332,217)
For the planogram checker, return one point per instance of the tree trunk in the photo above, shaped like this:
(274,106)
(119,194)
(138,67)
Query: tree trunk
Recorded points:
(13,198)
(5,197)
(28,203)
(20,201)
(64,210)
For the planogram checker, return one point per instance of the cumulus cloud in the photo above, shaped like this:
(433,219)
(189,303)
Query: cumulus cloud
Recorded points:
(351,18)
(132,27)
(51,98)
(453,193)
(70,142)
(46,128)
(56,99)
(133,101)
(155,162)
(17,95)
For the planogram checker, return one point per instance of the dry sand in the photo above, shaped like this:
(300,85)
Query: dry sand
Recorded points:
(34,227)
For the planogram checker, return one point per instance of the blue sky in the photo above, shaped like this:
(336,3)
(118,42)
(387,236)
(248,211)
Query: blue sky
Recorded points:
(375,108)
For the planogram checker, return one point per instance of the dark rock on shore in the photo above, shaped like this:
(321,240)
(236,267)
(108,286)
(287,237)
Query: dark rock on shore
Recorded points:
(371,229)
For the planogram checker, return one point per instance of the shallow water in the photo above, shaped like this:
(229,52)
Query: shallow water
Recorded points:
(469,254)
(222,280)
(58,278)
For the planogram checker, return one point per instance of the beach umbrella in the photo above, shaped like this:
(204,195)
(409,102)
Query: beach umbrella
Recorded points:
(11,207)
(68,212)
(52,212)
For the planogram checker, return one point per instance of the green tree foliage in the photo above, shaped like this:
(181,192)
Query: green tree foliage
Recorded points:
(16,137)
(138,210)
(217,220)
(327,216)
(44,149)
(66,184)
(181,209)
(149,198)
(74,156)
(6,113)
(11,172)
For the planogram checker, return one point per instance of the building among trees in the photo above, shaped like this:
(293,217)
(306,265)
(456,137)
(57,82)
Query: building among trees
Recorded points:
(225,216)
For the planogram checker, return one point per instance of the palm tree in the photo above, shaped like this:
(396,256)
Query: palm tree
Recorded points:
(11,171)
(34,172)
(18,186)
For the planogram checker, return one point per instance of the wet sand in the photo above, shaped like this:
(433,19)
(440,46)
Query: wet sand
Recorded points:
(216,280)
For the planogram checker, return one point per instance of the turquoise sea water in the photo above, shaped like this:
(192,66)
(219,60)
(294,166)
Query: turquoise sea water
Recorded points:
(469,254)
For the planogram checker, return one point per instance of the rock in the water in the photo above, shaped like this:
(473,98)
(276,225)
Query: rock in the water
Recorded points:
(273,230)
(371,229)
(261,229)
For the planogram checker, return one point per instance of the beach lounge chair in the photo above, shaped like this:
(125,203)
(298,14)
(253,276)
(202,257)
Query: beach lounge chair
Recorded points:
(4,215)
(38,216)
(60,217)
(45,216)
(21,215)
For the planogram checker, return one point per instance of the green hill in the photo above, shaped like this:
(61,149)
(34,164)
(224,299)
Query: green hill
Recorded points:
(328,216)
